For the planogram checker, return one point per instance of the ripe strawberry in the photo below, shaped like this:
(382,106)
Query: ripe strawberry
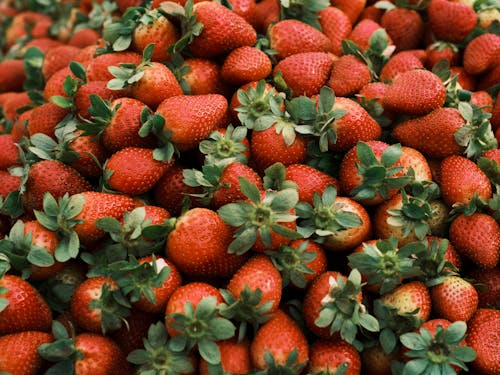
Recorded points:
(489,79)
(476,237)
(399,63)
(285,342)
(82,97)
(131,337)
(410,297)
(461,179)
(54,85)
(305,73)
(45,118)
(288,37)
(57,58)
(349,74)
(84,37)
(9,184)
(13,104)
(19,352)
(267,12)
(91,155)
(245,64)
(451,21)
(26,309)
(432,134)
(362,32)
(234,357)
(326,355)
(482,54)
(482,100)
(12,75)
(309,180)
(466,81)
(404,26)
(133,170)
(442,50)
(10,153)
(97,70)
(351,8)
(454,299)
(482,336)
(192,118)
(51,176)
(246,9)
(205,254)
(415,92)
(336,25)
(488,288)
(200,77)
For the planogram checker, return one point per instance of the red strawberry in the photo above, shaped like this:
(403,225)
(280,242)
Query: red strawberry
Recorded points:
(454,299)
(482,100)
(488,288)
(192,118)
(410,297)
(329,355)
(305,73)
(476,237)
(84,37)
(288,37)
(26,309)
(432,134)
(19,352)
(9,184)
(482,54)
(279,337)
(245,64)
(234,357)
(267,12)
(399,63)
(82,97)
(336,25)
(206,253)
(349,74)
(483,336)
(461,178)
(466,81)
(415,92)
(45,118)
(91,155)
(362,32)
(404,26)
(442,50)
(57,58)
(54,177)
(451,21)
(309,180)
(351,8)
(14,102)
(489,79)
(12,75)
(54,85)
(10,152)
(133,170)
(97,70)
(203,76)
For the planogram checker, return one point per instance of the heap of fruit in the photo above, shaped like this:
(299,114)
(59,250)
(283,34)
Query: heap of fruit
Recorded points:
(249,187)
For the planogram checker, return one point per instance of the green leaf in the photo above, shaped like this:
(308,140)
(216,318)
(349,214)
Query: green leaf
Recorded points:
(285,200)
(412,341)
(391,155)
(234,214)
(416,366)
(39,256)
(249,190)
(464,353)
(209,351)
(455,333)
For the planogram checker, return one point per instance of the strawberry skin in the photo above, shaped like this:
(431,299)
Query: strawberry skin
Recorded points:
(454,299)
(399,63)
(415,92)
(18,352)
(10,152)
(404,26)
(483,335)
(477,237)
(451,21)
(482,54)
(12,75)
(432,134)
(235,357)
(191,118)
(245,64)
(309,180)
(336,25)
(408,297)
(97,70)
(26,311)
(349,74)
(327,356)
(45,119)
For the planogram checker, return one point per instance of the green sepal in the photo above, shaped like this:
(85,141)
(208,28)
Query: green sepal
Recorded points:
(224,148)
(306,11)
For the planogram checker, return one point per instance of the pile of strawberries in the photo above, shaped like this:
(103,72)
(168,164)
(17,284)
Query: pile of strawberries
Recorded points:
(249,187)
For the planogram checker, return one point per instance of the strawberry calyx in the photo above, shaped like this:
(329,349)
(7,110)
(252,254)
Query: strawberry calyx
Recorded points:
(292,264)
(393,324)
(305,11)
(342,310)
(135,235)
(274,178)
(70,87)
(437,352)
(158,356)
(34,82)
(259,216)
(178,66)
(379,177)
(385,263)
(245,309)
(21,254)
(101,114)
(290,367)
(58,216)
(127,74)
(201,327)
(221,148)
(325,217)
(208,179)
(118,34)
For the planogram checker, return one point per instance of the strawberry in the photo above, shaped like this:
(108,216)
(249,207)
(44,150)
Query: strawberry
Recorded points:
(84,37)
(412,158)
(466,81)
(349,74)
(13,104)
(336,25)
(51,176)
(375,361)
(461,179)
(211,29)
(423,133)
(20,352)
(415,92)
(10,183)
(131,337)
(326,355)
(246,9)
(283,340)
(476,237)
(288,37)
(82,100)
(133,170)
(488,288)
(234,357)
(245,64)
(10,153)
(23,307)
(267,12)
(45,118)
(404,26)
(90,153)
(454,299)
(12,75)
(351,8)
(362,33)
(410,297)
(482,336)
(442,50)
(309,180)
(199,76)
(483,100)
(57,58)
(489,79)
(207,253)
(305,73)
(97,70)
(54,85)
(482,54)
(399,63)
(191,119)
(451,21)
